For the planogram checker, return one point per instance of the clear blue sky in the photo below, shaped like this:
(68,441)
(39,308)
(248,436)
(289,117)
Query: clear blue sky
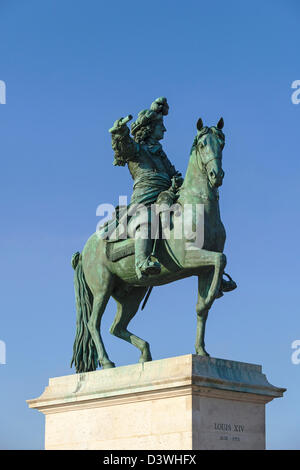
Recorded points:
(71,68)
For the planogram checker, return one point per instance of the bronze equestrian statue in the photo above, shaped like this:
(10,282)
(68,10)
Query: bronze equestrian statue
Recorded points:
(126,268)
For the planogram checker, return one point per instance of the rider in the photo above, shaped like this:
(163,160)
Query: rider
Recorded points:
(150,169)
(152,173)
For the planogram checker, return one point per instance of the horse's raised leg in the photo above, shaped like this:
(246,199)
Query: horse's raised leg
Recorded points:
(99,304)
(127,307)
(197,259)
(219,266)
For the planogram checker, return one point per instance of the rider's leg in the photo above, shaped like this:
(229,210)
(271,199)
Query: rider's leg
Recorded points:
(145,264)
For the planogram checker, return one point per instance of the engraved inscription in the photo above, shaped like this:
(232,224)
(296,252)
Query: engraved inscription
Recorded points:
(229,428)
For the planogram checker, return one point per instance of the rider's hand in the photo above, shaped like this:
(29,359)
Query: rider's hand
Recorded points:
(120,126)
(177,181)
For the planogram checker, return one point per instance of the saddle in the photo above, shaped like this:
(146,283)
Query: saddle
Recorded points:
(118,249)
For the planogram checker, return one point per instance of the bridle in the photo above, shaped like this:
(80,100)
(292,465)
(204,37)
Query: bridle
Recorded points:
(205,130)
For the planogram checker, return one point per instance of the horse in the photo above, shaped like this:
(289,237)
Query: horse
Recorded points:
(97,278)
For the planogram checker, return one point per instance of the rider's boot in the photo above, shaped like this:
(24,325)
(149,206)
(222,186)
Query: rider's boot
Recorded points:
(145,263)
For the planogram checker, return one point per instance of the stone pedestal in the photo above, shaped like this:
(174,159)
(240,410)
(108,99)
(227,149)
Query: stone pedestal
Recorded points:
(181,403)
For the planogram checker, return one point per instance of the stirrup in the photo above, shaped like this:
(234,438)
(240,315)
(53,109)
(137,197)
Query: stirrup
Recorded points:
(149,268)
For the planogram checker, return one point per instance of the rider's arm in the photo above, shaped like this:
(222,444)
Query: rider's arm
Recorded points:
(124,146)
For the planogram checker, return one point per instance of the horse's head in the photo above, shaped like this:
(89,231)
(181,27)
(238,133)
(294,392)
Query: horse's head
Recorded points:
(208,146)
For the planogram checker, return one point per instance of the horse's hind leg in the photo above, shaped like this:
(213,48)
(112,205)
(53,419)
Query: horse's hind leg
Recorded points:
(101,298)
(127,307)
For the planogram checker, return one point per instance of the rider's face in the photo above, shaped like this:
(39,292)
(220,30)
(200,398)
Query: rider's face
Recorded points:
(159,130)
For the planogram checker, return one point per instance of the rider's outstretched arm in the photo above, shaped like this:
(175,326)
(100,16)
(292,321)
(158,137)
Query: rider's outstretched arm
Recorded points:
(124,146)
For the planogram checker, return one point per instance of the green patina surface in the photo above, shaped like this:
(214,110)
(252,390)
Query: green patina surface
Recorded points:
(98,277)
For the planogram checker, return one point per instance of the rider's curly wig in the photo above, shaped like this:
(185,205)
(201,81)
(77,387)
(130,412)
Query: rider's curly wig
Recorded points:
(143,134)
(143,127)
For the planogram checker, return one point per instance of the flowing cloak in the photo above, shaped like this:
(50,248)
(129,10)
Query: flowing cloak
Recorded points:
(146,189)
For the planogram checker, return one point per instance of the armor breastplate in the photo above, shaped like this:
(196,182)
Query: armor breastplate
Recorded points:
(147,160)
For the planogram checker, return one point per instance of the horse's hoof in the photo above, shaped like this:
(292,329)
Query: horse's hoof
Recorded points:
(202,352)
(108,365)
(142,359)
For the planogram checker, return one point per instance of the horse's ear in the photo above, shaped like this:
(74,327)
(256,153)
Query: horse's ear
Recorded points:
(199,124)
(220,124)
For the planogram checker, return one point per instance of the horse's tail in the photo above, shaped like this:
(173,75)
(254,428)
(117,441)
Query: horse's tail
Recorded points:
(84,351)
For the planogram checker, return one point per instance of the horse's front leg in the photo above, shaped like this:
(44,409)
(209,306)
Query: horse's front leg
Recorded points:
(195,259)
(209,282)
(219,266)
(202,309)
(201,322)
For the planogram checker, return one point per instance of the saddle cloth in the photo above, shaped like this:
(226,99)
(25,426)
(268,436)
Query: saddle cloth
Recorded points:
(120,249)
